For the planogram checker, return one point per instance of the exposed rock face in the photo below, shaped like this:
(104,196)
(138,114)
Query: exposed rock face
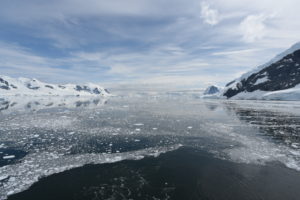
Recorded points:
(4,84)
(211,90)
(280,75)
(82,88)
(49,86)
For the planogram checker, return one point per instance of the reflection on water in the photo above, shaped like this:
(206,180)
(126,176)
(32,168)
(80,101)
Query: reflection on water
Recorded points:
(281,126)
(43,136)
(212,105)
(29,104)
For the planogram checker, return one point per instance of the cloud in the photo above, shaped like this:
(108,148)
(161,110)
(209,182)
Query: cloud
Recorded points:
(241,57)
(253,27)
(68,10)
(236,52)
(18,61)
(95,66)
(210,16)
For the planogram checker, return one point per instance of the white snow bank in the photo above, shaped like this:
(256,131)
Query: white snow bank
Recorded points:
(261,80)
(292,94)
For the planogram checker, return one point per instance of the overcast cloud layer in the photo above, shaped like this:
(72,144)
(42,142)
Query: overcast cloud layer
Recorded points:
(183,43)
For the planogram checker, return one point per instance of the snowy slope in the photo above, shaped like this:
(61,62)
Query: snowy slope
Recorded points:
(276,80)
(292,94)
(33,87)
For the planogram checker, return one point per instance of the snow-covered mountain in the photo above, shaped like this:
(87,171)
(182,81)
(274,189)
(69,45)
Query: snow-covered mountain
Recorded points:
(279,79)
(33,87)
(211,90)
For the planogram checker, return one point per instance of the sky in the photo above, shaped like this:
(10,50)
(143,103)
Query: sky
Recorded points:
(151,43)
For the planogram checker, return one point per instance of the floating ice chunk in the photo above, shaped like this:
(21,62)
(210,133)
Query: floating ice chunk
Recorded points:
(3,177)
(154,129)
(71,133)
(10,193)
(139,124)
(189,127)
(9,157)
(137,129)
(12,179)
(137,140)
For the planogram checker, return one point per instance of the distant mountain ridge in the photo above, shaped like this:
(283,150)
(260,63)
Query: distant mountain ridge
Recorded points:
(278,79)
(33,87)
